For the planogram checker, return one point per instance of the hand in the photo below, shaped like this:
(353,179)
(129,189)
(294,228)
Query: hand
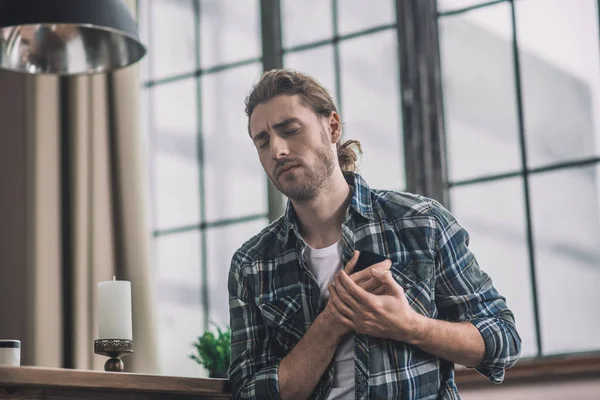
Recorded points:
(386,316)
(333,317)
(336,323)
(365,278)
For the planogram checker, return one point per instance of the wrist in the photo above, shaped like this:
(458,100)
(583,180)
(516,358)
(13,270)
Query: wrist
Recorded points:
(328,327)
(420,326)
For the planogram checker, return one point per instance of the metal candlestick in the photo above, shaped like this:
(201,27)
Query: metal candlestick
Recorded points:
(115,349)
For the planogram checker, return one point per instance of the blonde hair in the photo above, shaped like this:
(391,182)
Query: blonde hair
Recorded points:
(289,82)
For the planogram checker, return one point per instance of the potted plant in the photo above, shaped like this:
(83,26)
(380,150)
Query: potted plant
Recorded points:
(213,352)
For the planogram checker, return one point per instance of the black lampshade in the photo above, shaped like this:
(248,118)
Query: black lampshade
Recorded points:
(67,37)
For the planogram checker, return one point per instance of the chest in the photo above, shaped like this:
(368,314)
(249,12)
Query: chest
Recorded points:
(291,288)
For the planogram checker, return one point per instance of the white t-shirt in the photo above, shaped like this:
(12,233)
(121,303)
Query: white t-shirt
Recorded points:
(324,263)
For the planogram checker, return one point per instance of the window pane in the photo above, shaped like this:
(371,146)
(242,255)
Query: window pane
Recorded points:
(371,106)
(305,21)
(356,15)
(560,64)
(222,243)
(318,63)
(180,312)
(229,31)
(449,5)
(479,93)
(174,132)
(172,37)
(498,240)
(235,182)
(566,222)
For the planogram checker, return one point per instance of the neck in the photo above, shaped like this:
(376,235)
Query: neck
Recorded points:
(320,219)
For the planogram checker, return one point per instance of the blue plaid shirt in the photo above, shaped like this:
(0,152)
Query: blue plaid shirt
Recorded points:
(274,299)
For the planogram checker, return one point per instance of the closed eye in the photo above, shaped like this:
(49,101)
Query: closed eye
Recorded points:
(263,143)
(292,131)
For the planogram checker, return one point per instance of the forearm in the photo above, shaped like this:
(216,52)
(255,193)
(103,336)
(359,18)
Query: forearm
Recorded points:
(301,369)
(458,342)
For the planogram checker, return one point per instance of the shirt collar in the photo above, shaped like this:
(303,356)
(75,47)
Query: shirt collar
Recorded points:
(361,203)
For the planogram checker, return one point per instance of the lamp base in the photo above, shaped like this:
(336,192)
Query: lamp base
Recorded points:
(115,349)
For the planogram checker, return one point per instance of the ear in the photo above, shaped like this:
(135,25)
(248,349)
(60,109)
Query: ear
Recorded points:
(335,127)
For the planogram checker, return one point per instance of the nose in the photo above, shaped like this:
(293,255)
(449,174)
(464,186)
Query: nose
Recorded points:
(278,147)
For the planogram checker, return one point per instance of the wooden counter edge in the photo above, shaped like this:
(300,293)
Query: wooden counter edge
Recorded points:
(27,376)
(525,371)
(550,368)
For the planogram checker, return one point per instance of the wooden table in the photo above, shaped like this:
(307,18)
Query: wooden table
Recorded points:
(34,383)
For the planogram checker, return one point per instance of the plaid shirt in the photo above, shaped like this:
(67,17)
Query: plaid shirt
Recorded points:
(274,299)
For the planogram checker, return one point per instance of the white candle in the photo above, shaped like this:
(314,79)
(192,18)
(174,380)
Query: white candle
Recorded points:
(114,310)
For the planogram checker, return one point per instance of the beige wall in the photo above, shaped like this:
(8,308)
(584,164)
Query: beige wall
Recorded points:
(582,389)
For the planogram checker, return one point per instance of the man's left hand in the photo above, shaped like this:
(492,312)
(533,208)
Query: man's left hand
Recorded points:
(386,316)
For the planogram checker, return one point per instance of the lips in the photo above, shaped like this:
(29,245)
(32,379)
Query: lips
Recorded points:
(285,169)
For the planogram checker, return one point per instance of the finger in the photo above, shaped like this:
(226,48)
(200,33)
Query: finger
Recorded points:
(378,291)
(352,262)
(382,265)
(346,297)
(354,290)
(360,276)
(339,304)
(387,280)
(365,274)
(370,284)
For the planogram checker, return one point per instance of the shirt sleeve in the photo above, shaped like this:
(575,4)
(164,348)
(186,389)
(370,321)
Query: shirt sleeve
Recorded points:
(254,368)
(465,293)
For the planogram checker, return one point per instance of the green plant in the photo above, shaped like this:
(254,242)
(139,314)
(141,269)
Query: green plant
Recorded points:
(214,351)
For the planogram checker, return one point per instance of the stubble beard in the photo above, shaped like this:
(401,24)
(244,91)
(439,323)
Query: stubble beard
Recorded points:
(311,182)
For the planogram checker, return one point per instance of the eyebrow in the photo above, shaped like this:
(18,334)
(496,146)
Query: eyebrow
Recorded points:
(277,126)
(285,122)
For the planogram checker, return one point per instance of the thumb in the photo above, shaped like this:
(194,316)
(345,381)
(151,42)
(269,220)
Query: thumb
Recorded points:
(387,280)
(352,262)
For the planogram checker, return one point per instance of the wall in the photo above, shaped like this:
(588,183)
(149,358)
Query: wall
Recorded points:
(581,389)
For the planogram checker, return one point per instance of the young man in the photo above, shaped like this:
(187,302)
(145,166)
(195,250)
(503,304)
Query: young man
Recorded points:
(303,325)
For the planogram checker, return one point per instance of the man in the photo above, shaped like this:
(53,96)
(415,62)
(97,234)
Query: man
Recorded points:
(303,325)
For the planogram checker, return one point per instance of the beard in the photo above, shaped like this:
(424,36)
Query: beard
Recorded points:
(305,182)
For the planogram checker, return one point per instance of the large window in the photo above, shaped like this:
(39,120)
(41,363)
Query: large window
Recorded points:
(521,89)
(521,106)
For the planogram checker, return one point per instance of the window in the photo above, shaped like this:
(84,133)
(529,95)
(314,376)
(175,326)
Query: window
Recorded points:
(209,192)
(521,101)
(521,88)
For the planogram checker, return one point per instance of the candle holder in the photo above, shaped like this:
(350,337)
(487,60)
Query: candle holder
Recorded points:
(115,349)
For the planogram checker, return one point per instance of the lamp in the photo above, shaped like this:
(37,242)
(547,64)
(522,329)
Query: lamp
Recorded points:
(67,37)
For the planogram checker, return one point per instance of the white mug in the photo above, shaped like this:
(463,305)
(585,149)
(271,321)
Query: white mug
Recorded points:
(10,353)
